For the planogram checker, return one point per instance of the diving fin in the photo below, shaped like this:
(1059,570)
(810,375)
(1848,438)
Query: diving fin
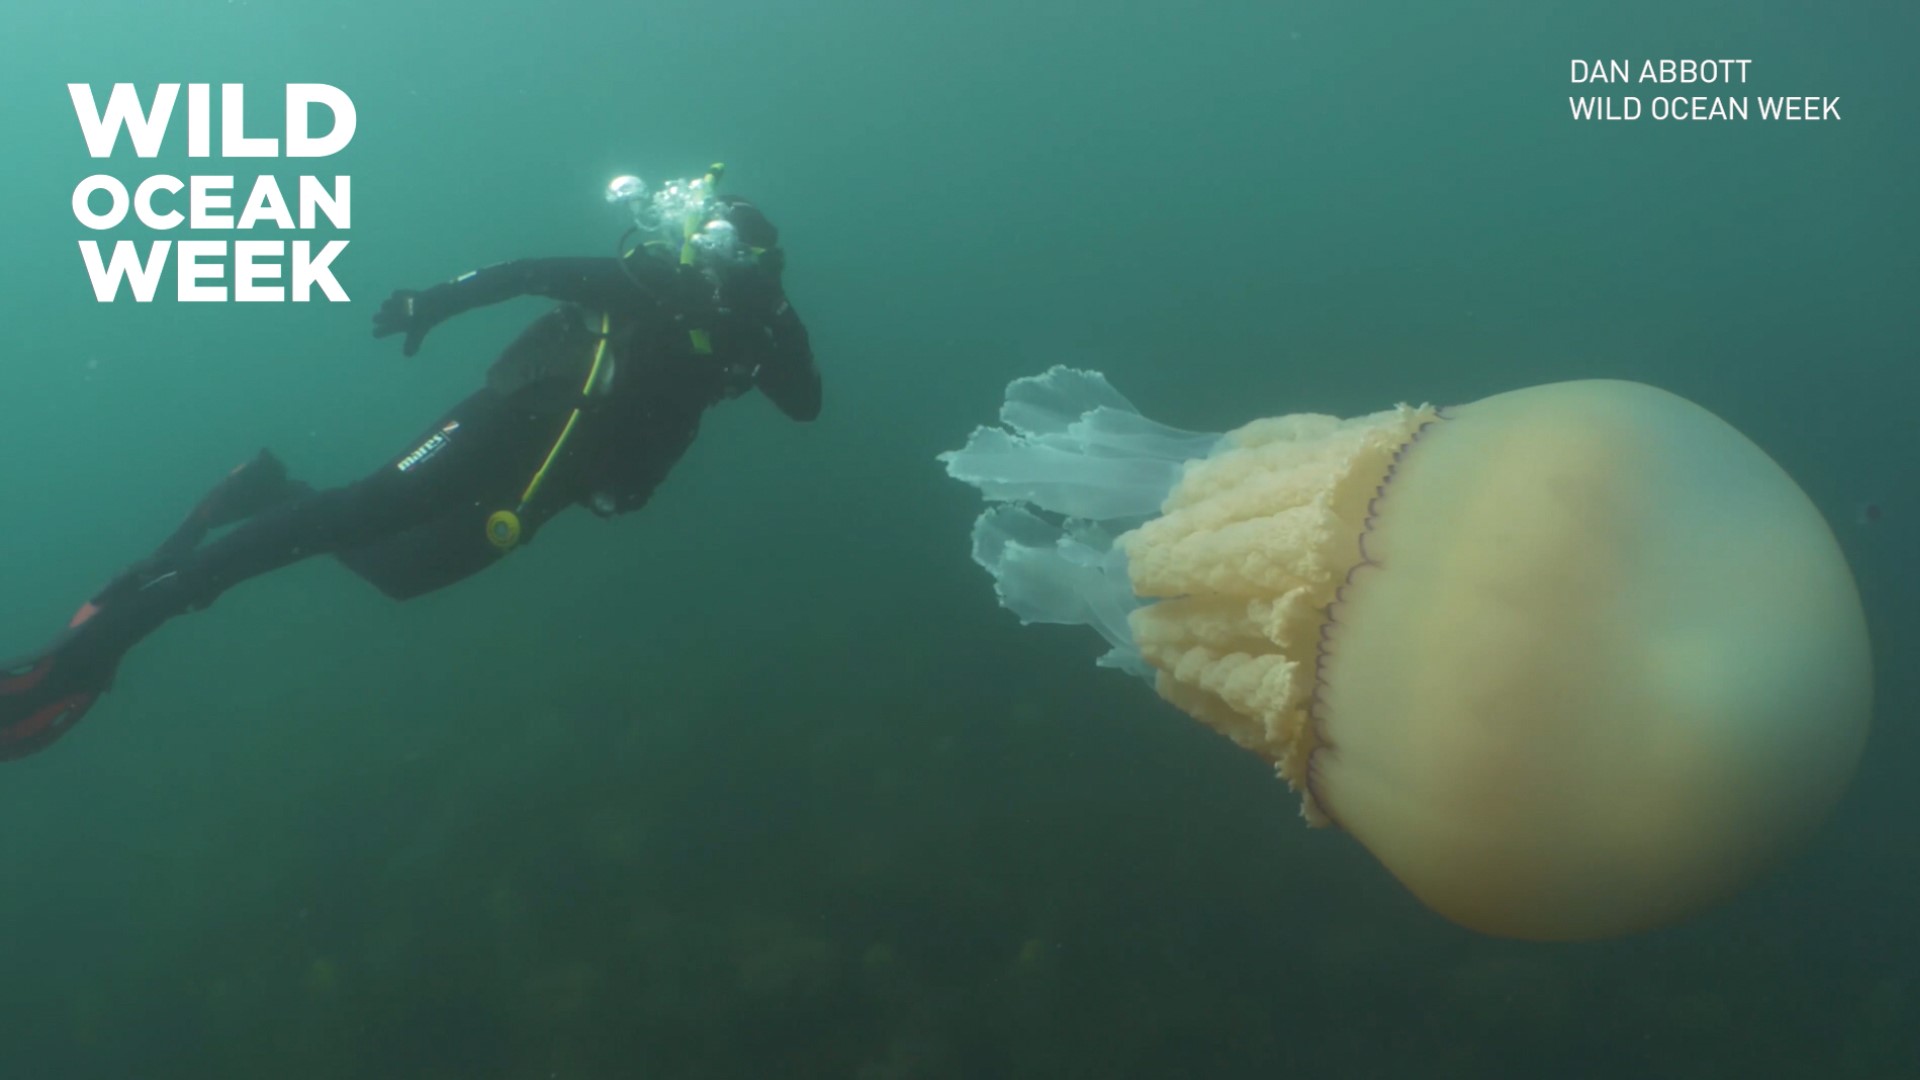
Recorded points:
(43,696)
(257,485)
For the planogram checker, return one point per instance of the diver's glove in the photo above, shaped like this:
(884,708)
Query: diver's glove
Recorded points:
(412,313)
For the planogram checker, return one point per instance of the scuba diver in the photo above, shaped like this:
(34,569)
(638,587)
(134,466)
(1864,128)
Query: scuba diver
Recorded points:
(590,406)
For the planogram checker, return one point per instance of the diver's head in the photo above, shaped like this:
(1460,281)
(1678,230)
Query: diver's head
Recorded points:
(747,221)
(730,235)
(740,246)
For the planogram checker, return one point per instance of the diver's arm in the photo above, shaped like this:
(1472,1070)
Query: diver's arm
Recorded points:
(596,282)
(601,283)
(788,377)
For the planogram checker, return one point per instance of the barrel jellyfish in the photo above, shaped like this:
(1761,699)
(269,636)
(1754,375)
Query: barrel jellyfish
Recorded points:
(1572,662)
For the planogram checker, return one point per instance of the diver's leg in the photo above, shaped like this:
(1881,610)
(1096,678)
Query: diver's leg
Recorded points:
(467,460)
(44,695)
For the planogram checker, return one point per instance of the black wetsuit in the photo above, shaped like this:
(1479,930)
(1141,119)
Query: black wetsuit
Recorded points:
(676,342)
(676,345)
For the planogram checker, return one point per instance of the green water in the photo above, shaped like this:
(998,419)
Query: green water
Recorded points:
(759,782)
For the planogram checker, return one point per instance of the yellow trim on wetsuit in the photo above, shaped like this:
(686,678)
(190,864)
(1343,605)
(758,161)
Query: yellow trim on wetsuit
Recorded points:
(503,527)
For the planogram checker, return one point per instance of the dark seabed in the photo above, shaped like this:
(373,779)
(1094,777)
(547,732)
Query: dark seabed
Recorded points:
(760,782)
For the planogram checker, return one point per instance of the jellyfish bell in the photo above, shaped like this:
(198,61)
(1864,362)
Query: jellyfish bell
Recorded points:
(1572,661)
(1627,641)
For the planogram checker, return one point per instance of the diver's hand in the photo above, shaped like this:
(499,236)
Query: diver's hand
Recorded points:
(409,312)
